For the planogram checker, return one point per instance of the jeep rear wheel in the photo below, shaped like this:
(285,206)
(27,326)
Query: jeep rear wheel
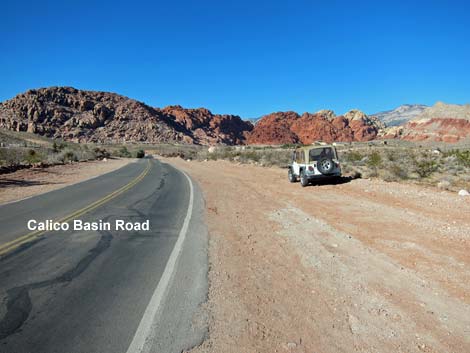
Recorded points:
(303,179)
(291,176)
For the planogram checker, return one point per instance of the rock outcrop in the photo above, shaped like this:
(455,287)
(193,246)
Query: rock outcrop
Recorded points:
(89,116)
(206,128)
(102,117)
(441,122)
(290,127)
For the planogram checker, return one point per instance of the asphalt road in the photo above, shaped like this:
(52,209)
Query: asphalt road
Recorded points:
(106,291)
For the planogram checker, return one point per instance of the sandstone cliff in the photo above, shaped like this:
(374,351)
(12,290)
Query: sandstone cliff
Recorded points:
(290,127)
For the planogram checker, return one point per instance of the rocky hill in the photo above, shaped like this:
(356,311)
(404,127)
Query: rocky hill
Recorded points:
(400,115)
(441,122)
(89,116)
(290,127)
(102,117)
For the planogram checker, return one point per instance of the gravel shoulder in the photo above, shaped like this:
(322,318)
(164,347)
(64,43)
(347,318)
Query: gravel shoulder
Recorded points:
(363,266)
(34,181)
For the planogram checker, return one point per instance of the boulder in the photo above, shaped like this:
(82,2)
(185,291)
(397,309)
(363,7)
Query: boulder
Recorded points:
(464,193)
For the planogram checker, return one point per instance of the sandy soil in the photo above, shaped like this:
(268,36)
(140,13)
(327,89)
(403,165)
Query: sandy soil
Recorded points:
(29,182)
(363,266)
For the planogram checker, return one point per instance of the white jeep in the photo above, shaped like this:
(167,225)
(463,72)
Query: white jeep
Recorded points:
(313,163)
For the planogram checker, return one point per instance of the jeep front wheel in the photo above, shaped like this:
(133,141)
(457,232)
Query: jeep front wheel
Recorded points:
(303,179)
(291,176)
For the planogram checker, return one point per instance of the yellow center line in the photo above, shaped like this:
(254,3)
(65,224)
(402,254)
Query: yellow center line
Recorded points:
(9,246)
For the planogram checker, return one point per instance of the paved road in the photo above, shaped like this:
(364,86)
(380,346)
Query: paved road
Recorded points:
(106,291)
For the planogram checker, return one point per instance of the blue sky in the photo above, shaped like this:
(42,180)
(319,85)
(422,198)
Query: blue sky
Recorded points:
(242,57)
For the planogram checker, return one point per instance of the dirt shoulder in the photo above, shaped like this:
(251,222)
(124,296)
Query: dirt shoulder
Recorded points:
(365,266)
(29,182)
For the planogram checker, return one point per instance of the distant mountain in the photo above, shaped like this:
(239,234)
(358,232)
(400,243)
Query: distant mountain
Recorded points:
(443,110)
(400,115)
(104,117)
(252,120)
(441,122)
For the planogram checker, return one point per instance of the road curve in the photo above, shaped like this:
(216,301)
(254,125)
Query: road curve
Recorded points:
(106,291)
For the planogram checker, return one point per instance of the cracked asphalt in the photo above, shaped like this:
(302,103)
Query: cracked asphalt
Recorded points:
(87,291)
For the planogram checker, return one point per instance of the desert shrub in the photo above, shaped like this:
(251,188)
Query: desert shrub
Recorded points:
(67,155)
(84,154)
(398,171)
(140,154)
(464,158)
(100,153)
(278,157)
(353,156)
(11,157)
(425,167)
(374,161)
(54,158)
(388,176)
(250,156)
(124,152)
(32,157)
(392,156)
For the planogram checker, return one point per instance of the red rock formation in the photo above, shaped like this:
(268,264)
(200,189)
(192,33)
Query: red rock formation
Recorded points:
(289,127)
(274,129)
(441,122)
(436,129)
(207,128)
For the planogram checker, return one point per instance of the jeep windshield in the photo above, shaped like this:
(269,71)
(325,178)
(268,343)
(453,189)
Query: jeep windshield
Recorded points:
(315,154)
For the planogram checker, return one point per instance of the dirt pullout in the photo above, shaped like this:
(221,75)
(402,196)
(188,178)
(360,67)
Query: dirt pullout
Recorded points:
(364,266)
(29,182)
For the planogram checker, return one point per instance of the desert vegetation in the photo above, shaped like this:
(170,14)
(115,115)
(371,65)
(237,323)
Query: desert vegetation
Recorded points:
(444,166)
(445,169)
(22,150)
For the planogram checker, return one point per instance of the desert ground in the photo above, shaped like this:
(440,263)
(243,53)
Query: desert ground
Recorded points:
(33,181)
(361,266)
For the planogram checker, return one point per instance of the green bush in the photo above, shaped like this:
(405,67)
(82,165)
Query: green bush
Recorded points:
(32,157)
(464,158)
(124,152)
(374,161)
(140,154)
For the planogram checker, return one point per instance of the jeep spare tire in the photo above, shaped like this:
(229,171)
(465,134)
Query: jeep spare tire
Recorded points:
(325,166)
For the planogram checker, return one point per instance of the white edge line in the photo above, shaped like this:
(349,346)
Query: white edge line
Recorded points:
(144,330)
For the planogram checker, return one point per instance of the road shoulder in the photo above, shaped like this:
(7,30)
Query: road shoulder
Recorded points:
(361,266)
(26,183)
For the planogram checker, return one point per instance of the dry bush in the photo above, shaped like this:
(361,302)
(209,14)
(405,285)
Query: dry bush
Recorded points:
(425,167)
(11,157)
